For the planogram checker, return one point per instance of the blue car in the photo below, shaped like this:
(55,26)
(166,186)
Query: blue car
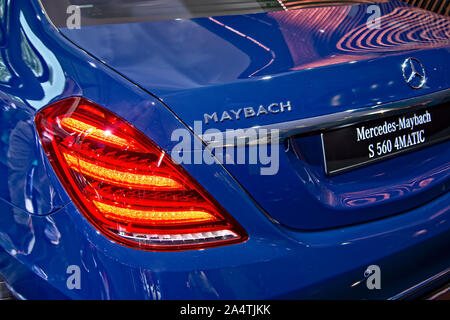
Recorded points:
(257,149)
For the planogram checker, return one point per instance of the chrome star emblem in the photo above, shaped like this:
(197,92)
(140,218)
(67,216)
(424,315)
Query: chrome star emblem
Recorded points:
(414,73)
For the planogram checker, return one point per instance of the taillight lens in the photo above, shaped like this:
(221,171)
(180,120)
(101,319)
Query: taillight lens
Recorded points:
(125,185)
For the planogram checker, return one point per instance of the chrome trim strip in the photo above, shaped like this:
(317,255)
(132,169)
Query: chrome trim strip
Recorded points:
(420,285)
(323,153)
(334,120)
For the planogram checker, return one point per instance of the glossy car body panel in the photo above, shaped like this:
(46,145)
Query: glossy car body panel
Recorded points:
(323,61)
(276,262)
(177,60)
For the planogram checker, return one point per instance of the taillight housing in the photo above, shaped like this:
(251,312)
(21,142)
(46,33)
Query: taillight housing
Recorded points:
(125,185)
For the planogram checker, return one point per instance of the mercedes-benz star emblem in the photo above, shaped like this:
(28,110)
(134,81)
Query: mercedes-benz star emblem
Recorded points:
(414,73)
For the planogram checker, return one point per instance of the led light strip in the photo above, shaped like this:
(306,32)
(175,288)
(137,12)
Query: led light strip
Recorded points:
(156,216)
(178,239)
(93,132)
(120,178)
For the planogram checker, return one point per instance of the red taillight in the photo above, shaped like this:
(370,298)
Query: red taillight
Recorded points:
(125,185)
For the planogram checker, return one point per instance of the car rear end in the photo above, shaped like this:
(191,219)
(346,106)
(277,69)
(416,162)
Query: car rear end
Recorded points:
(245,151)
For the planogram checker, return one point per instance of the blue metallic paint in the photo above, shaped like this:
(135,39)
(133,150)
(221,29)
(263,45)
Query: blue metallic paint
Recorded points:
(276,262)
(208,65)
(180,61)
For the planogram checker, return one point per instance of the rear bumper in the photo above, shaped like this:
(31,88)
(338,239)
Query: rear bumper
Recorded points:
(409,248)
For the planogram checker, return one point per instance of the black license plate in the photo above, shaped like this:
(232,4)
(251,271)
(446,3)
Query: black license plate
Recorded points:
(375,140)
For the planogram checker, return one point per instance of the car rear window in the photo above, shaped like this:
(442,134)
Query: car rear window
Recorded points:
(94,12)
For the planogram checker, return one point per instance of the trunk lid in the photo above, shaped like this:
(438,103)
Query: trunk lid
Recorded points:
(305,63)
